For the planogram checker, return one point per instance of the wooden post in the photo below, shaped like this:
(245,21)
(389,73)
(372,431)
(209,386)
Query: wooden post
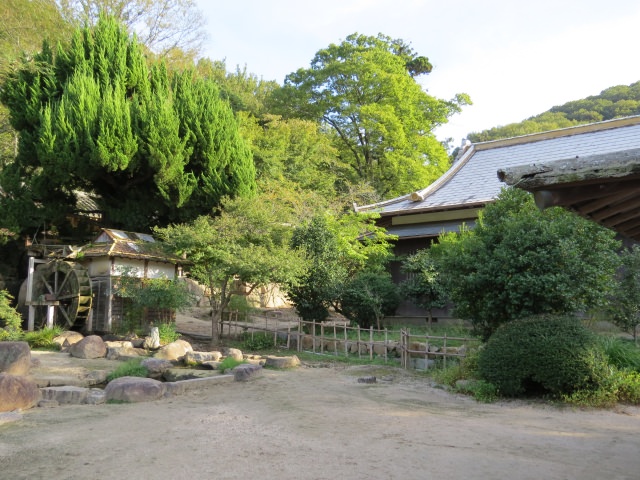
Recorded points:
(314,335)
(346,348)
(386,345)
(359,354)
(322,341)
(444,360)
(299,335)
(371,342)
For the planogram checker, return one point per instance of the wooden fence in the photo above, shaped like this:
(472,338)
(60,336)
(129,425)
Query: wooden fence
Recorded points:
(338,338)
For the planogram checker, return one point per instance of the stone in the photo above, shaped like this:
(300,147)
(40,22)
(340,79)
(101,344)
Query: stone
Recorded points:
(156,367)
(124,352)
(174,351)
(211,365)
(8,417)
(282,362)
(134,389)
(181,374)
(96,396)
(234,353)
(89,347)
(246,371)
(371,379)
(198,358)
(15,358)
(152,341)
(66,395)
(17,392)
(68,338)
(422,363)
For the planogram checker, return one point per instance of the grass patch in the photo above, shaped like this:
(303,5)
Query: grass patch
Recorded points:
(229,363)
(168,333)
(129,368)
(43,339)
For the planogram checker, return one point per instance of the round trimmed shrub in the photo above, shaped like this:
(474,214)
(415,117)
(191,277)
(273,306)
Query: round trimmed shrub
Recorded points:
(542,354)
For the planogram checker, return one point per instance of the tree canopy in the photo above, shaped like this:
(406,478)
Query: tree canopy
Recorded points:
(364,90)
(94,117)
(519,261)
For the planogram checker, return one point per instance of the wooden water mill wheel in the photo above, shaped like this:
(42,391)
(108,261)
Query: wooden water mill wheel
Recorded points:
(65,288)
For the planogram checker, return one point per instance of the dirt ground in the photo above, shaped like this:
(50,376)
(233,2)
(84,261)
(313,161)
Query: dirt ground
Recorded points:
(321,423)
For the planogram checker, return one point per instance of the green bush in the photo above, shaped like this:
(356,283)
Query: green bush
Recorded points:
(260,341)
(229,363)
(543,354)
(621,353)
(368,297)
(129,368)
(43,339)
(620,386)
(10,319)
(168,333)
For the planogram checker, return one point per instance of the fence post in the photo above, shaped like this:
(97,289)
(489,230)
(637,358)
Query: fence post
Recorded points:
(299,342)
(444,359)
(371,342)
(359,354)
(386,345)
(313,333)
(346,348)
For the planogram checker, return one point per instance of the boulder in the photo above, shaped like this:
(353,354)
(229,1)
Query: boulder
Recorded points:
(282,362)
(66,395)
(156,366)
(246,371)
(152,342)
(174,351)
(134,389)
(68,338)
(233,353)
(15,358)
(198,358)
(89,347)
(17,392)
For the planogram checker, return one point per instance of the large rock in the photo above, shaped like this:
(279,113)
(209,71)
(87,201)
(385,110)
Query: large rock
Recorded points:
(246,371)
(282,362)
(68,338)
(89,347)
(67,395)
(15,358)
(17,392)
(134,389)
(234,353)
(156,366)
(174,351)
(198,358)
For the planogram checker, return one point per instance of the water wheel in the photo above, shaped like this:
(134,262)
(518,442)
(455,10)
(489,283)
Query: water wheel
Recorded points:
(66,287)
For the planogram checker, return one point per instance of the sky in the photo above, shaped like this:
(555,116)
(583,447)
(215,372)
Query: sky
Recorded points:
(514,58)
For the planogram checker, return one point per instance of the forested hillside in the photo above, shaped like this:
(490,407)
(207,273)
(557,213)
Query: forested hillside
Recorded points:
(614,102)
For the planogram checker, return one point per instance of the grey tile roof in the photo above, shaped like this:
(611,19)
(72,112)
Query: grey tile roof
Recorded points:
(473,179)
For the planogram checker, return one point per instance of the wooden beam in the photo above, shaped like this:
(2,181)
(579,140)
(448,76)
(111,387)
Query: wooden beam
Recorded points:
(591,168)
(615,209)
(628,192)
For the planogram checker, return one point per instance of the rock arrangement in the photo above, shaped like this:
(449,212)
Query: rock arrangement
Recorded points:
(172,370)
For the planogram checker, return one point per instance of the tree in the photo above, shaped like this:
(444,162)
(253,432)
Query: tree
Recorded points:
(365,92)
(94,117)
(160,25)
(368,297)
(519,261)
(624,307)
(337,248)
(424,285)
(246,242)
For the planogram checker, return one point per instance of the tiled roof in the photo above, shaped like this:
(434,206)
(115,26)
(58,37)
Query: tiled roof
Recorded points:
(117,243)
(473,181)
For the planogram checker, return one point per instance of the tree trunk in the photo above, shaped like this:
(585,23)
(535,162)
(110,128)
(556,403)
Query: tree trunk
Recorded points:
(216,316)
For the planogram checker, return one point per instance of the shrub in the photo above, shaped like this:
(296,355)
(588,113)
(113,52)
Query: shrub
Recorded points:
(129,368)
(621,353)
(229,363)
(258,342)
(10,319)
(168,333)
(43,339)
(542,354)
(620,386)
(368,297)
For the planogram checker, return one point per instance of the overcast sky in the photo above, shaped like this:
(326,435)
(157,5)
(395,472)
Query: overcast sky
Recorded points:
(514,58)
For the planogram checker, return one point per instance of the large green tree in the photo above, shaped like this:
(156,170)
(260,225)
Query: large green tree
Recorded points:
(95,117)
(519,261)
(246,242)
(338,249)
(364,90)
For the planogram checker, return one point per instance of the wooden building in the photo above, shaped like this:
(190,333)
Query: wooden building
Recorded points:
(456,198)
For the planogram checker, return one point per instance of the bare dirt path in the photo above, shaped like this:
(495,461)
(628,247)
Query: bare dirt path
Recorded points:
(320,423)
